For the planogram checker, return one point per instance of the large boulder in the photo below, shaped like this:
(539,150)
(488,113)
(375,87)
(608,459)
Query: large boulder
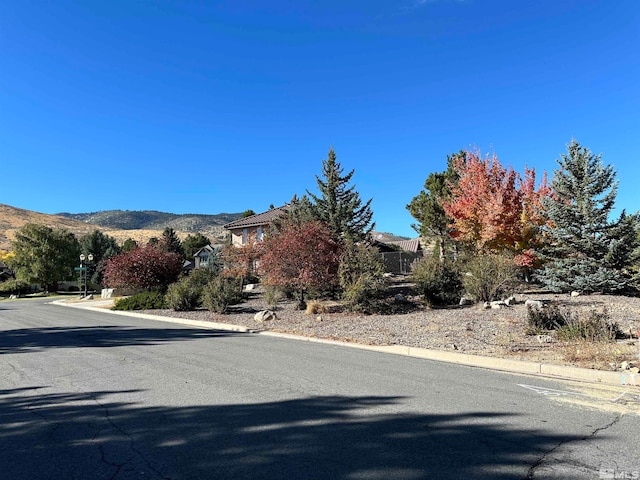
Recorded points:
(265,316)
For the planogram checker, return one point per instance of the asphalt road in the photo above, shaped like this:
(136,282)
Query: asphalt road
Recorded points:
(89,395)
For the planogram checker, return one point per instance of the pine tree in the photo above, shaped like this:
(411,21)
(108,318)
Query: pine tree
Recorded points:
(586,251)
(339,205)
(170,242)
(426,207)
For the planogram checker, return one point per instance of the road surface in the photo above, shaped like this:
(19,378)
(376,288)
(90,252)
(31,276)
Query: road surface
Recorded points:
(90,395)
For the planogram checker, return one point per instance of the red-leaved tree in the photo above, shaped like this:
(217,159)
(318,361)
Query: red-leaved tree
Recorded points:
(142,268)
(301,257)
(494,209)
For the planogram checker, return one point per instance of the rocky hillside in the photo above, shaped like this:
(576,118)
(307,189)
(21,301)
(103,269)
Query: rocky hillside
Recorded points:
(140,226)
(153,220)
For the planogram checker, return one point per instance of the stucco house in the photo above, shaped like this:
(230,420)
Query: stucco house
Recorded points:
(253,227)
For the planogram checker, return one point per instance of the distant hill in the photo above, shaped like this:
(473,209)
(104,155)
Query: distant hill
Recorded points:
(140,226)
(153,220)
(387,237)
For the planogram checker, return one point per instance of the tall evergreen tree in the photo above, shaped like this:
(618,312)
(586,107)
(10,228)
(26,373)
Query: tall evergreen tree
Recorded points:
(586,251)
(426,207)
(298,212)
(193,243)
(339,205)
(170,242)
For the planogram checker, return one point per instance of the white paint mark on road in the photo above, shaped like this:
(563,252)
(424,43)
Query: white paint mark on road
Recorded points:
(550,392)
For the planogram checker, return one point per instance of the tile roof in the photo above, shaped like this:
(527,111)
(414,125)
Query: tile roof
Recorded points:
(412,245)
(264,218)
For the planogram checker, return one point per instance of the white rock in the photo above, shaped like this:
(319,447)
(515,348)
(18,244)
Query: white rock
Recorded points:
(265,316)
(534,303)
(511,301)
(498,304)
(575,294)
(466,301)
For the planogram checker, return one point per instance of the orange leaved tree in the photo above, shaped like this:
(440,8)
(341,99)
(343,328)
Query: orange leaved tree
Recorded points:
(492,208)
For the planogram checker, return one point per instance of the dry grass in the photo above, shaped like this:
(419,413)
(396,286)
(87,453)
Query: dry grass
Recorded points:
(598,355)
(13,219)
(314,307)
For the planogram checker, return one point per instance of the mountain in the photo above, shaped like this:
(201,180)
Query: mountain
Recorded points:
(121,225)
(153,220)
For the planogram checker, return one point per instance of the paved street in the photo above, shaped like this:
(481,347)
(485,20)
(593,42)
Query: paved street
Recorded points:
(90,395)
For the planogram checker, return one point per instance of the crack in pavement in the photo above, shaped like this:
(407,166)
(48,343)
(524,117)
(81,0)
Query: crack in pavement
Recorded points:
(132,447)
(540,461)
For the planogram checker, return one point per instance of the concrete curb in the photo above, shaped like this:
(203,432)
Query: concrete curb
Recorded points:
(492,363)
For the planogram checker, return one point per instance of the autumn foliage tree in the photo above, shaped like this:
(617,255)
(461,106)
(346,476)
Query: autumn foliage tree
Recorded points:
(493,209)
(240,261)
(301,257)
(142,268)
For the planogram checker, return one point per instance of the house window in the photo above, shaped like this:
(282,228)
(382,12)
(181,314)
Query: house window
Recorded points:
(245,235)
(204,260)
(259,232)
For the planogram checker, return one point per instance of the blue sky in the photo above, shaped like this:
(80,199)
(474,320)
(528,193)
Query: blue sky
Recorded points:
(223,106)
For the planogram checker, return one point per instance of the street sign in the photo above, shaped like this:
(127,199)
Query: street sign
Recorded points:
(80,269)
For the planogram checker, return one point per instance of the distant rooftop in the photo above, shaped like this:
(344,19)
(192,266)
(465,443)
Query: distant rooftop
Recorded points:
(264,218)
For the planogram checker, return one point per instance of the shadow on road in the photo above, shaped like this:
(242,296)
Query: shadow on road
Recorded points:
(105,434)
(35,339)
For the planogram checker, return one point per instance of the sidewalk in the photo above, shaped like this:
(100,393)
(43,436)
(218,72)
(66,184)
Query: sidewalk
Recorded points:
(493,363)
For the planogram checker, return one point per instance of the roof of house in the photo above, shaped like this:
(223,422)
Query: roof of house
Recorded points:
(412,245)
(209,249)
(264,218)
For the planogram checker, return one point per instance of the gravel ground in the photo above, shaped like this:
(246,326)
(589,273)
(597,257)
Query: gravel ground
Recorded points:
(472,329)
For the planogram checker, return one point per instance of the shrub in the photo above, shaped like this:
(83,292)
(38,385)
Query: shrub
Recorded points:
(141,301)
(14,287)
(595,327)
(439,282)
(551,317)
(222,292)
(315,307)
(183,296)
(488,277)
(361,273)
(186,294)
(273,295)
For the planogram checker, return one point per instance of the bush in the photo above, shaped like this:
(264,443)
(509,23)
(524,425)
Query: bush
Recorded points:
(439,282)
(547,318)
(273,295)
(361,273)
(221,292)
(153,300)
(183,296)
(186,294)
(14,287)
(595,327)
(315,307)
(489,277)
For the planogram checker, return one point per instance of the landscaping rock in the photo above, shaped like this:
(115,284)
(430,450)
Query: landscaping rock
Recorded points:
(575,294)
(466,301)
(539,304)
(265,316)
(511,301)
(399,298)
(498,304)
